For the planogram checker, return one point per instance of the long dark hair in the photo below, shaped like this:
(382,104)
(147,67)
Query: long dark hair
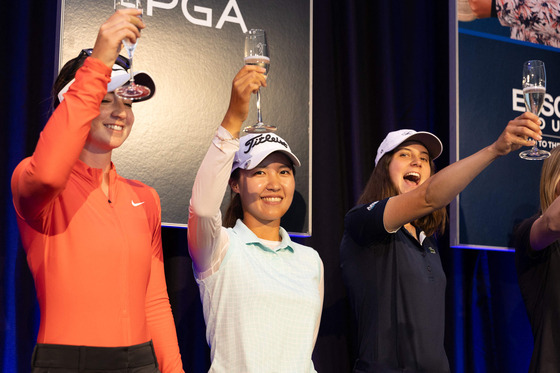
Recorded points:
(67,73)
(234,210)
(380,186)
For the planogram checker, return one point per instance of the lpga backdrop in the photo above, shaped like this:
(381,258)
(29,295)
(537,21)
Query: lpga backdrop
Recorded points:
(489,95)
(193,52)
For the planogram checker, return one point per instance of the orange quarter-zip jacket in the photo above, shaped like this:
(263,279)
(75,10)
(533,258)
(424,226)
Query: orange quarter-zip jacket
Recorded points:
(96,260)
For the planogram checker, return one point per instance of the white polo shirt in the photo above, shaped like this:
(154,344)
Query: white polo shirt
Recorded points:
(261,306)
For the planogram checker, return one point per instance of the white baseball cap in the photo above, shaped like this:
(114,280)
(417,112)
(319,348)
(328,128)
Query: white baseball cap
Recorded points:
(254,148)
(395,138)
(119,76)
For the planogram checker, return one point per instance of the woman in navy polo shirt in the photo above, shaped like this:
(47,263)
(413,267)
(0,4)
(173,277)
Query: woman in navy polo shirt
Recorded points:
(389,259)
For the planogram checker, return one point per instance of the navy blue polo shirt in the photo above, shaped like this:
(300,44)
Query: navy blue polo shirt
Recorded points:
(396,288)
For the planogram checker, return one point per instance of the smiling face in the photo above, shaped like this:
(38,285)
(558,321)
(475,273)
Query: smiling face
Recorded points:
(410,166)
(266,191)
(112,126)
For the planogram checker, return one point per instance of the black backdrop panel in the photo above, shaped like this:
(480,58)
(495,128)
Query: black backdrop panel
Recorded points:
(193,49)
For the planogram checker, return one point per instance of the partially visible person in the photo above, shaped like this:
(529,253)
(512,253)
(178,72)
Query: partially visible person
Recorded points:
(537,261)
(92,237)
(262,294)
(389,257)
(534,21)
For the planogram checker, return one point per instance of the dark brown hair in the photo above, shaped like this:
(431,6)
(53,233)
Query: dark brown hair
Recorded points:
(234,210)
(380,186)
(66,74)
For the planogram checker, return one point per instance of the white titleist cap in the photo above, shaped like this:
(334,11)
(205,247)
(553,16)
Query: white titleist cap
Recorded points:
(395,138)
(254,148)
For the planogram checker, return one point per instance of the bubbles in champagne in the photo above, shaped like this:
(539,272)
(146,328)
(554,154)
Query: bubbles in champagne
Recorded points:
(261,61)
(534,98)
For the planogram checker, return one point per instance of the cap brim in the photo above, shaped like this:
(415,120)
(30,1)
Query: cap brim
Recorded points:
(292,157)
(429,140)
(256,160)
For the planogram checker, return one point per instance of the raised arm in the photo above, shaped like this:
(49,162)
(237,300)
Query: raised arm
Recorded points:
(546,229)
(440,189)
(123,24)
(247,81)
(481,8)
(42,177)
(204,234)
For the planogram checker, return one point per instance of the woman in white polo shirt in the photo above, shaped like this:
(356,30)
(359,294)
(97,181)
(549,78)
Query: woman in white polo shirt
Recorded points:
(262,294)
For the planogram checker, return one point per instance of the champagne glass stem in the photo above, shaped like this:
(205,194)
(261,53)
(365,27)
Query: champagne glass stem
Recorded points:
(259,116)
(130,69)
(534,149)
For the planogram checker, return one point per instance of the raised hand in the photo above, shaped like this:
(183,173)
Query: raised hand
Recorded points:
(247,81)
(518,132)
(122,24)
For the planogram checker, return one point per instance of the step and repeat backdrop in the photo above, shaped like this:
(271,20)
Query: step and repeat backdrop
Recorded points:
(193,49)
(488,94)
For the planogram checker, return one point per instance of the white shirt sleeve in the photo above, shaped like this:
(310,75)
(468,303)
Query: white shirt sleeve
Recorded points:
(208,240)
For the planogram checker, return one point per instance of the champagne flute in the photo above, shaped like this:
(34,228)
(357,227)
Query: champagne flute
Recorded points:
(130,91)
(534,89)
(256,53)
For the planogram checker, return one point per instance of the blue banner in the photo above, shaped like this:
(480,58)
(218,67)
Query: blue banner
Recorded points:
(490,94)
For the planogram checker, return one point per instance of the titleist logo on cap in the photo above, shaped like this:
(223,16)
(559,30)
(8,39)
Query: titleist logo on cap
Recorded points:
(261,139)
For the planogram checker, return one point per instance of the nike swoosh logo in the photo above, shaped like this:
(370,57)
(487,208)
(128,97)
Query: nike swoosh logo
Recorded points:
(136,204)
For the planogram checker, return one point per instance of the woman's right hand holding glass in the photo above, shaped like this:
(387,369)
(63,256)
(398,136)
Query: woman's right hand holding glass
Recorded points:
(247,81)
(519,132)
(124,23)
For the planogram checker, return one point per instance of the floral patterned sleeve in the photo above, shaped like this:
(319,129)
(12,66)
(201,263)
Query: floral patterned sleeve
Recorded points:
(536,21)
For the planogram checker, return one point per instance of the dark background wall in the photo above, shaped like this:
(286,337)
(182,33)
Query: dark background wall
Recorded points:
(378,66)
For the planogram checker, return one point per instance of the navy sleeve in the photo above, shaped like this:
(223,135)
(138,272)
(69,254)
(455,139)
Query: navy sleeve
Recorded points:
(364,223)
